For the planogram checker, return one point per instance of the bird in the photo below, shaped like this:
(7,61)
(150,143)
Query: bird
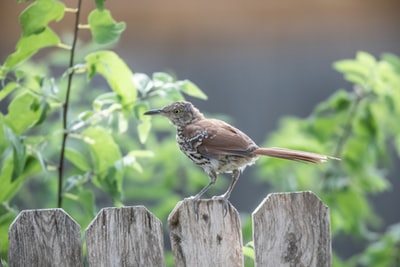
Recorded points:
(219,147)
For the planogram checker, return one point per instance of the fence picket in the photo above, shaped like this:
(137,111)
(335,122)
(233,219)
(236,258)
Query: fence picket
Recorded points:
(292,229)
(208,238)
(42,238)
(126,236)
(289,229)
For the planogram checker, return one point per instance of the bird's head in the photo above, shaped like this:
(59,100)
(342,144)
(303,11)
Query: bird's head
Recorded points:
(180,113)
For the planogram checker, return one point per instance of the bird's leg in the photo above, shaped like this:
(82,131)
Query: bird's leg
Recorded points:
(235,178)
(224,197)
(213,178)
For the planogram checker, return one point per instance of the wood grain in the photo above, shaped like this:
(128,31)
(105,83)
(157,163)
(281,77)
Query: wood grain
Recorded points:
(292,229)
(289,229)
(126,236)
(48,237)
(208,238)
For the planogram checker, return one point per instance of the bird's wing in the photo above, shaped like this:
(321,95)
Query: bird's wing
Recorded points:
(220,138)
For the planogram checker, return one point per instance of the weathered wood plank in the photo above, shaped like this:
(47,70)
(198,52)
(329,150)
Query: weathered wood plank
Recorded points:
(208,238)
(292,229)
(48,237)
(126,236)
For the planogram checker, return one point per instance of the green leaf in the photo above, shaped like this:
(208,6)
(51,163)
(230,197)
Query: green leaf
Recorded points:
(10,188)
(130,160)
(130,163)
(103,27)
(105,152)
(117,74)
(144,122)
(77,158)
(354,208)
(354,71)
(374,181)
(144,128)
(340,101)
(248,250)
(360,71)
(105,99)
(19,152)
(27,46)
(365,123)
(123,124)
(111,182)
(35,18)
(105,156)
(23,112)
(85,115)
(366,59)
(87,200)
(392,60)
(7,216)
(7,89)
(160,78)
(170,93)
(191,89)
(143,82)
(43,108)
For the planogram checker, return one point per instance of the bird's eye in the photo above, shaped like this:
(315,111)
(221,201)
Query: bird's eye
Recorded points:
(176,111)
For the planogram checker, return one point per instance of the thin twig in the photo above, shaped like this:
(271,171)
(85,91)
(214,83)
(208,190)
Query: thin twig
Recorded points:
(347,129)
(65,107)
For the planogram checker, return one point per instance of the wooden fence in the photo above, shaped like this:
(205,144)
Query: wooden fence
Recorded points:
(289,229)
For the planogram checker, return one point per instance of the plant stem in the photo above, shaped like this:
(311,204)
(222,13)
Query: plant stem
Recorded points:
(65,107)
(348,125)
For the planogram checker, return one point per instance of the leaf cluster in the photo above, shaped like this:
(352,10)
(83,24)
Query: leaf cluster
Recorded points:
(108,140)
(361,127)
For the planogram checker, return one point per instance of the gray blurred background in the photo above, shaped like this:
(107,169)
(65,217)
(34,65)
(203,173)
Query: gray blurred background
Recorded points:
(256,60)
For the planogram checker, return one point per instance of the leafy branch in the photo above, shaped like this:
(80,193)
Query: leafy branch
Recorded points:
(358,126)
(96,158)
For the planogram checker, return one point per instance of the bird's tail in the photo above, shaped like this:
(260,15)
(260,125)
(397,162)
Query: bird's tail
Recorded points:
(289,154)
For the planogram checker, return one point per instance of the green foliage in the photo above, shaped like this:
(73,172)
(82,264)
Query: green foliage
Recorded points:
(36,17)
(383,252)
(248,253)
(360,127)
(117,74)
(104,29)
(105,153)
(103,163)
(36,34)
(109,144)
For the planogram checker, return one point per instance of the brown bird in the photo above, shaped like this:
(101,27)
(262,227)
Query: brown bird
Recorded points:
(218,147)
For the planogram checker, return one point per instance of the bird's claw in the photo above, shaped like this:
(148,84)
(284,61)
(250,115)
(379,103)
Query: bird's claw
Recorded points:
(196,203)
(225,203)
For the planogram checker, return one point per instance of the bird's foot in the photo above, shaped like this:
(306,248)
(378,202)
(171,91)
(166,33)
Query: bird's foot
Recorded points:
(225,202)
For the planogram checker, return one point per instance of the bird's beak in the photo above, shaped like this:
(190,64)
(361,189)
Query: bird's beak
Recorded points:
(153,112)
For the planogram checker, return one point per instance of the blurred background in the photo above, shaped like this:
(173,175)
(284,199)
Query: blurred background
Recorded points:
(256,60)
